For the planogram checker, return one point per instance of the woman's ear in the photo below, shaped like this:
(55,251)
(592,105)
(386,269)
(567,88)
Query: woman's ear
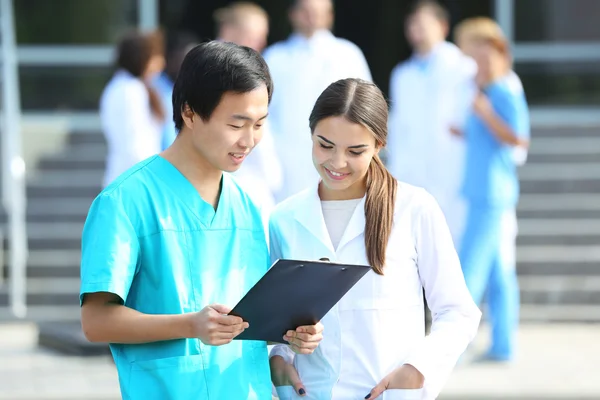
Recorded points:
(378,148)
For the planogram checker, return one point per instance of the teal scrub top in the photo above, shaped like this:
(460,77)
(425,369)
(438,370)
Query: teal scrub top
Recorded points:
(152,240)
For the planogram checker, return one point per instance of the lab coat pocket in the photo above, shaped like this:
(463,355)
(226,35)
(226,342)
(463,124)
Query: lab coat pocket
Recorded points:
(286,392)
(403,394)
(168,378)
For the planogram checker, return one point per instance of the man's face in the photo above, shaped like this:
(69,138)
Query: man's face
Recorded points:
(424,29)
(233,129)
(309,16)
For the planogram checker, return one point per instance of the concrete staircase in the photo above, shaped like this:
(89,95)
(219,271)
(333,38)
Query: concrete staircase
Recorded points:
(558,245)
(59,196)
(559,226)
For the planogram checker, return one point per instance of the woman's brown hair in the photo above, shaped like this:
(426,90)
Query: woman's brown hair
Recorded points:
(362,102)
(135,51)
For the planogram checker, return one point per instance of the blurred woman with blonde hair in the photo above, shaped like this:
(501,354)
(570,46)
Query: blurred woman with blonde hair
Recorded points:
(497,127)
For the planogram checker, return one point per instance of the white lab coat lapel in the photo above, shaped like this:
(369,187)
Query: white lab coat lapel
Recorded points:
(356,225)
(311,218)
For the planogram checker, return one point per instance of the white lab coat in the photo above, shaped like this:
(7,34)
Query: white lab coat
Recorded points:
(131,131)
(301,69)
(425,103)
(379,324)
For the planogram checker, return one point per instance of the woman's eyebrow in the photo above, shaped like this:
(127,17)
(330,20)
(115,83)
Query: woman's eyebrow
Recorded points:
(358,146)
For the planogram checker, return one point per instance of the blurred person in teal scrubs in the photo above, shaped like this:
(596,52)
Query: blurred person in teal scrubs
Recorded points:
(173,243)
(497,137)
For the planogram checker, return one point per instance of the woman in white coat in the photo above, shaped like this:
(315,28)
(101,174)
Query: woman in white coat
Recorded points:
(131,111)
(374,339)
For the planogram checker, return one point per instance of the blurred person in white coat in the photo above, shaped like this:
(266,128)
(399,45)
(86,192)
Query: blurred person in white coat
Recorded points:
(131,110)
(374,341)
(430,94)
(302,67)
(247,24)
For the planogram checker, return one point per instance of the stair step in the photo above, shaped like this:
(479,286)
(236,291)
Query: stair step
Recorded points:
(560,289)
(558,260)
(76,138)
(565,145)
(58,207)
(40,299)
(563,240)
(546,186)
(565,132)
(59,192)
(43,313)
(560,171)
(560,313)
(59,164)
(561,205)
(550,254)
(559,227)
(563,158)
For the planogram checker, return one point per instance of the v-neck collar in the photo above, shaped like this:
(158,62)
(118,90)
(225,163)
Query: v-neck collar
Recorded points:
(187,193)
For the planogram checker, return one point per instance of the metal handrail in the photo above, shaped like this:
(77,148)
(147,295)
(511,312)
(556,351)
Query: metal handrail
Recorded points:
(13,170)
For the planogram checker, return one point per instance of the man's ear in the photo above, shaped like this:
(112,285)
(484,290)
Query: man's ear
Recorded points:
(188,116)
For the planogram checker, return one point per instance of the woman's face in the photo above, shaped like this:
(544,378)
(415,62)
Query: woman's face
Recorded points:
(342,152)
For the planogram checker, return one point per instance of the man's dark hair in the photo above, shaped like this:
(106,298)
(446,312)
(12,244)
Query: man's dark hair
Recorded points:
(212,69)
(438,10)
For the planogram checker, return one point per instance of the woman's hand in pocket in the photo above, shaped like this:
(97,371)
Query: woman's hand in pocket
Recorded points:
(285,374)
(404,377)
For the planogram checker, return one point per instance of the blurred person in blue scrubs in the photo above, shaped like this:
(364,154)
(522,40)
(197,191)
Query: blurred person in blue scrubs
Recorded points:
(247,24)
(131,111)
(497,137)
(178,44)
(174,242)
(302,67)
(424,94)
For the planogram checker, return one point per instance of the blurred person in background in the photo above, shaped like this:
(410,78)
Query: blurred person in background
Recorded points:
(247,24)
(422,150)
(243,23)
(302,67)
(178,44)
(497,125)
(131,111)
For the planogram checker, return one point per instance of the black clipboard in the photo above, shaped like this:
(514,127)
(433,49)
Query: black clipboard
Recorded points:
(294,293)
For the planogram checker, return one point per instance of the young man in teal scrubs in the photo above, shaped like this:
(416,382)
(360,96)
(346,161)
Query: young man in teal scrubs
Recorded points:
(172,243)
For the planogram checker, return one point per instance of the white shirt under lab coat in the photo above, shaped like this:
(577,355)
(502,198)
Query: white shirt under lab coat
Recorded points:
(428,97)
(132,132)
(301,69)
(379,324)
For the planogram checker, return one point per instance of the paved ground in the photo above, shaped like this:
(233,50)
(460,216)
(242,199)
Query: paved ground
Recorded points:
(555,362)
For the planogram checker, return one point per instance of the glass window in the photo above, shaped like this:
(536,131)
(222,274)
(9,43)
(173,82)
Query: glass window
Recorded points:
(556,20)
(62,88)
(73,21)
(568,83)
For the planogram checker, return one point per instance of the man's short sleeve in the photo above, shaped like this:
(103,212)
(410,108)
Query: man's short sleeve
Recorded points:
(109,249)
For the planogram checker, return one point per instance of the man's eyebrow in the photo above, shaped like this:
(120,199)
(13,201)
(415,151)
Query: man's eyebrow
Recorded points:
(358,146)
(247,118)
